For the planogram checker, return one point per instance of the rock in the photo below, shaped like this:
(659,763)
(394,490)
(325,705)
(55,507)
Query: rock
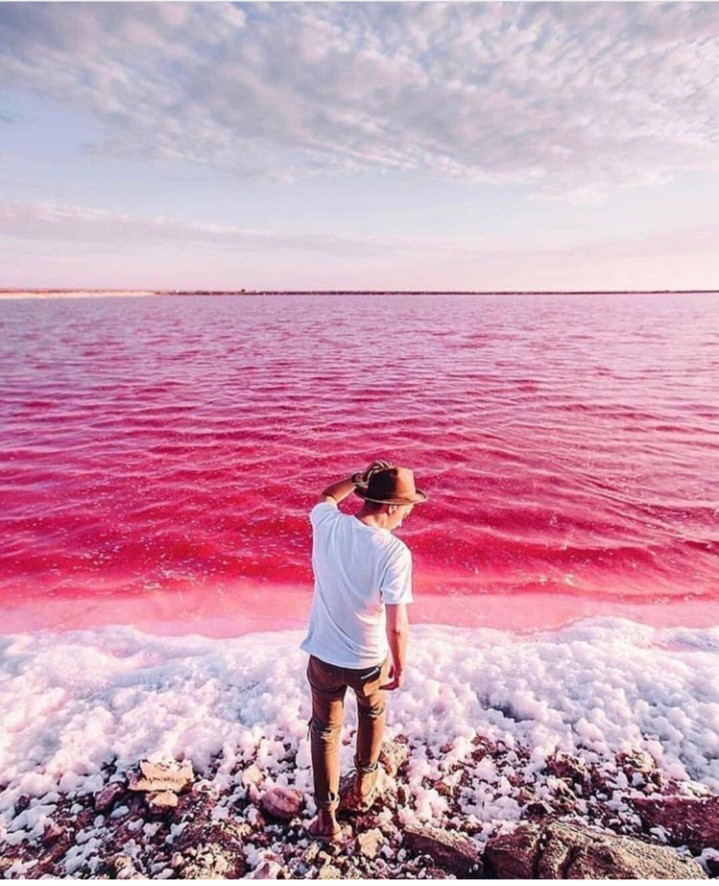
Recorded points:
(161,800)
(209,851)
(688,821)
(443,789)
(709,860)
(403,794)
(123,866)
(155,777)
(204,790)
(560,851)
(253,775)
(297,869)
(567,767)
(52,833)
(636,761)
(267,870)
(281,802)
(55,845)
(310,854)
(370,842)
(22,803)
(436,874)
(563,797)
(329,872)
(514,856)
(538,809)
(392,756)
(105,799)
(206,862)
(454,852)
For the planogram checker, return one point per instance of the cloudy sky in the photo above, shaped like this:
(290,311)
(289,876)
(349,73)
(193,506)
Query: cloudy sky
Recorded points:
(359,145)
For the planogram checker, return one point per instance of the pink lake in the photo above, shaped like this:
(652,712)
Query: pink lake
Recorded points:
(160,454)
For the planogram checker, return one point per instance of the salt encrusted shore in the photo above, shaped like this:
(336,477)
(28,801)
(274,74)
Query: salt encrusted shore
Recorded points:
(502,749)
(620,819)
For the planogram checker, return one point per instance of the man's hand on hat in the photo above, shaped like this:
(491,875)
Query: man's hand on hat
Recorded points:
(363,479)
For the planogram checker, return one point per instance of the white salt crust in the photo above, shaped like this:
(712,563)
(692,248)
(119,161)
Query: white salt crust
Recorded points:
(70,703)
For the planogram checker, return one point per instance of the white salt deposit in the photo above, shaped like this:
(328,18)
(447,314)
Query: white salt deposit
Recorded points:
(72,703)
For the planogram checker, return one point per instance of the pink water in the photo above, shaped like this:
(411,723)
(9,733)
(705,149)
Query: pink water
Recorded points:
(160,454)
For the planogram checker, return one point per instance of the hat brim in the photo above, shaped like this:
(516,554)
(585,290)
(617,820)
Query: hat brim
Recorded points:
(418,498)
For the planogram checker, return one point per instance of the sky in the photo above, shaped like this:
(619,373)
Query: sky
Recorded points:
(417,146)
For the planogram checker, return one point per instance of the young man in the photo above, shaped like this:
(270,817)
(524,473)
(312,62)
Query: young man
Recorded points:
(358,627)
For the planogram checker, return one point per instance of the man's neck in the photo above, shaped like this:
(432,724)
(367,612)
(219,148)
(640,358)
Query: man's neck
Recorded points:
(376,519)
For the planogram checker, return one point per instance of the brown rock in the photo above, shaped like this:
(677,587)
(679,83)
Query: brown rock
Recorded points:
(443,789)
(155,777)
(161,800)
(562,851)
(636,761)
(207,862)
(563,798)
(252,775)
(105,799)
(688,821)
(123,867)
(514,856)
(568,767)
(392,756)
(538,809)
(329,872)
(281,802)
(454,852)
(310,854)
(267,870)
(52,833)
(210,852)
(370,842)
(596,856)
(55,849)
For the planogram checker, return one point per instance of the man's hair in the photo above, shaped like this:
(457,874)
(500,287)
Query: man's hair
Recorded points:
(373,506)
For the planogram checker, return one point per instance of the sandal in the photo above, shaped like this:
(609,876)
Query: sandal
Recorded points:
(366,802)
(334,836)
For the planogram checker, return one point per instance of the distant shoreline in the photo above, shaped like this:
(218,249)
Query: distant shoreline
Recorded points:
(101,293)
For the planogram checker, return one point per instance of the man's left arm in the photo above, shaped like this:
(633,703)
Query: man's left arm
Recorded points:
(338,491)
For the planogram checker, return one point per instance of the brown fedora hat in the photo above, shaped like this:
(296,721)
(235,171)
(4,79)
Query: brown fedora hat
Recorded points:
(392,486)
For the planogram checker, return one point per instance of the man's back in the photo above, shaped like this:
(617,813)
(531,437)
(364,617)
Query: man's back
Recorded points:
(358,569)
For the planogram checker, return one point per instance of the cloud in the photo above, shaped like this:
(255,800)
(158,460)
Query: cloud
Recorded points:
(571,98)
(91,229)
(84,225)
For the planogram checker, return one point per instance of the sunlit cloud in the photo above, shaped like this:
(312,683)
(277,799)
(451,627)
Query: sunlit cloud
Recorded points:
(573,99)
(28,221)
(77,225)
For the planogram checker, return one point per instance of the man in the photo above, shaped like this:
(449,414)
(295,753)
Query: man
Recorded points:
(358,627)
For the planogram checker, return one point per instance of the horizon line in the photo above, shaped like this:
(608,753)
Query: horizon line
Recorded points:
(275,291)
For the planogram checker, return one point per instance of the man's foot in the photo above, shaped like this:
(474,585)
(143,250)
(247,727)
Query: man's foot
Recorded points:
(366,790)
(326,827)
(359,791)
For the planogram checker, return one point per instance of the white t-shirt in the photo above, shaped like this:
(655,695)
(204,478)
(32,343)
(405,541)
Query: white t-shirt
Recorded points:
(358,569)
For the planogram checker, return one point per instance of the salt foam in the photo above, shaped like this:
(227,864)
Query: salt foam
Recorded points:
(71,704)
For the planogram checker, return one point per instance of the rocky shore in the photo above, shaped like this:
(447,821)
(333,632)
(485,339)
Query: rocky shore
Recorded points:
(613,818)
